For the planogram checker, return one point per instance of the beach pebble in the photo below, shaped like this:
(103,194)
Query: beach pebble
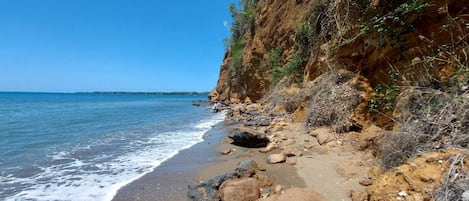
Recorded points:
(402,194)
(277,189)
(324,138)
(269,148)
(366,182)
(276,158)
(227,151)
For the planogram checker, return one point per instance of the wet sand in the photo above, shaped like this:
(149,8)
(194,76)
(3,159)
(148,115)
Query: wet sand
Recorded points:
(169,180)
(202,161)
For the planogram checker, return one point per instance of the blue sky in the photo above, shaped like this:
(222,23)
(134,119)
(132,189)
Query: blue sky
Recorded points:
(111,45)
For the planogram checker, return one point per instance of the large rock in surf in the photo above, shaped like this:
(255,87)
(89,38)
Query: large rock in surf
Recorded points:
(250,138)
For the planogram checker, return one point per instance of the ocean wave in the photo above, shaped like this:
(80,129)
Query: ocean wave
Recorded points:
(84,174)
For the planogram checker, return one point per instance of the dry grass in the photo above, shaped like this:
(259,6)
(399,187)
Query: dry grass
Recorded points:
(398,147)
(283,95)
(456,181)
(332,98)
(429,120)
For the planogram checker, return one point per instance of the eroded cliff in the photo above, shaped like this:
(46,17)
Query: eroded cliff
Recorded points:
(349,64)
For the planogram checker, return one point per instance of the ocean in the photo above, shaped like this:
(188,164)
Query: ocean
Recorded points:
(57,146)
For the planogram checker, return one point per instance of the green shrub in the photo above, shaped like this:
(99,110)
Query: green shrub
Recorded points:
(293,68)
(303,38)
(392,25)
(237,48)
(243,17)
(384,99)
(276,65)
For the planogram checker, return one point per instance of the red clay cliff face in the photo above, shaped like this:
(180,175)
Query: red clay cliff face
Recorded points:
(274,27)
(276,23)
(368,56)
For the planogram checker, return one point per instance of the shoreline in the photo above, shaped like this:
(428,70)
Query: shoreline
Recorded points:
(202,161)
(117,187)
(326,170)
(169,180)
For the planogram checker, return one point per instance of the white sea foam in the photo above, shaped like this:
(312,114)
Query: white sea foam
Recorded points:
(85,180)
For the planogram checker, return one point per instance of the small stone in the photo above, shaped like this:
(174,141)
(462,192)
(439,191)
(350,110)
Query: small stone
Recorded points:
(324,138)
(276,158)
(402,194)
(270,147)
(278,189)
(291,161)
(226,151)
(366,182)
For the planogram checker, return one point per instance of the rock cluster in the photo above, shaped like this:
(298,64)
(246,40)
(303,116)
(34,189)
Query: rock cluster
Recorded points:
(241,184)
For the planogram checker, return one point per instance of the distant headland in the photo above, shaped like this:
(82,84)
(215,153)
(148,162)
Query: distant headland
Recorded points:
(148,93)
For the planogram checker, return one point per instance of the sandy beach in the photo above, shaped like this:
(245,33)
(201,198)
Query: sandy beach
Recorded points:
(169,180)
(202,161)
(333,169)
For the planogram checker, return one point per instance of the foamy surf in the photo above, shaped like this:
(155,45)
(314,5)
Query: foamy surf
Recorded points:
(75,175)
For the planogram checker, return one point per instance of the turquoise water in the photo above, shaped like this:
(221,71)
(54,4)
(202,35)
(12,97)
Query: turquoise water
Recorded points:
(86,146)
